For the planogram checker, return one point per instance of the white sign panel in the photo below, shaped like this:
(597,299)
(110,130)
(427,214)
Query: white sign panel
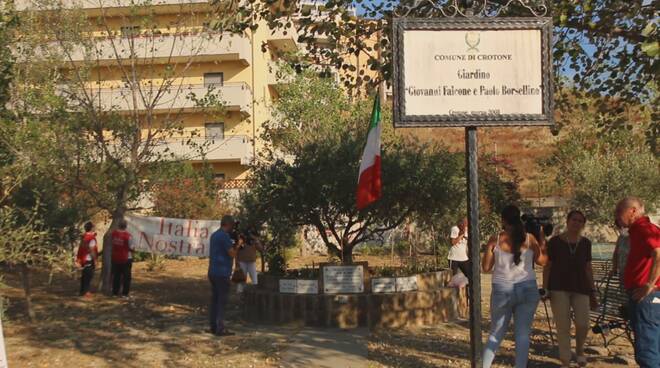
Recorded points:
(3,353)
(287,286)
(343,279)
(307,286)
(457,73)
(383,285)
(169,236)
(406,284)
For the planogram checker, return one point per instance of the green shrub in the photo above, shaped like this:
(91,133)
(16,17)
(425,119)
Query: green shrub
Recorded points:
(140,256)
(155,262)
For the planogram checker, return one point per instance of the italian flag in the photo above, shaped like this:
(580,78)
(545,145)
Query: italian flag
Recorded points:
(369,182)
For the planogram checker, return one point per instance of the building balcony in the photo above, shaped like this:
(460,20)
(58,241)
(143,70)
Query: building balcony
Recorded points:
(284,40)
(163,49)
(315,9)
(234,96)
(276,77)
(195,149)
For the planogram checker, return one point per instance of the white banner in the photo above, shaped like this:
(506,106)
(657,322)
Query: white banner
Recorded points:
(3,354)
(169,236)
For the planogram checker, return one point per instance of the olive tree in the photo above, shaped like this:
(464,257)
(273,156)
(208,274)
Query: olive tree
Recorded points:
(602,166)
(112,89)
(308,171)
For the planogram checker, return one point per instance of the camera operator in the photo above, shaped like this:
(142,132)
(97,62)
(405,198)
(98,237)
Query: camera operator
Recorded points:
(248,245)
(569,278)
(511,255)
(221,261)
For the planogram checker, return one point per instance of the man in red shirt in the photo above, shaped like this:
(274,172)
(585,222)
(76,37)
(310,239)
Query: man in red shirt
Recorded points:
(121,259)
(87,259)
(642,280)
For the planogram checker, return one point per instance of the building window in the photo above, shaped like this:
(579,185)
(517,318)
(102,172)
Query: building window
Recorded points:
(214,79)
(130,31)
(215,130)
(219,176)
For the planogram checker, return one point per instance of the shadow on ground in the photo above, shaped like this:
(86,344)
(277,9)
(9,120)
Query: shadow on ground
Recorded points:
(163,325)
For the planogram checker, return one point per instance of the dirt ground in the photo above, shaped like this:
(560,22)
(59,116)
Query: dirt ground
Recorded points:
(163,325)
(448,345)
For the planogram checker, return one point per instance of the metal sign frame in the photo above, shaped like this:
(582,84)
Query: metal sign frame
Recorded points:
(474,15)
(401,25)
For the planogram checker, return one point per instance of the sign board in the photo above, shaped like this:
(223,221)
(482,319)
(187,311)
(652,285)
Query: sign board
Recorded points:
(472,72)
(383,285)
(307,286)
(343,279)
(288,286)
(170,236)
(406,283)
(3,353)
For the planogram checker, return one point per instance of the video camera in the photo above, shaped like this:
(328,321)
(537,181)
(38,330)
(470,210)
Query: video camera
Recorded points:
(533,225)
(235,232)
(239,232)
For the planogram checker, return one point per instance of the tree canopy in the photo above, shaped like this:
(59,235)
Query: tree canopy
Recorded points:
(601,47)
(308,173)
(599,167)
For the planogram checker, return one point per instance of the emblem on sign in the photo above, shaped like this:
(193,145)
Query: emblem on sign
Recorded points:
(472,40)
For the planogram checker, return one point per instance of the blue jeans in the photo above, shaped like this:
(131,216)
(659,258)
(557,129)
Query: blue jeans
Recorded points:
(220,287)
(520,301)
(645,320)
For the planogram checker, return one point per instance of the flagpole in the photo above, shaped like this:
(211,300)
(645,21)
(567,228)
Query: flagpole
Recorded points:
(382,87)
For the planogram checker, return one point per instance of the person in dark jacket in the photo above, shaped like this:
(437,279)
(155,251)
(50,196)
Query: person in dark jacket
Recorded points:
(221,261)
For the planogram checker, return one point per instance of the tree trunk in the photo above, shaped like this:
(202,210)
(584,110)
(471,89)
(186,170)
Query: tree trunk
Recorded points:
(347,254)
(27,288)
(263,261)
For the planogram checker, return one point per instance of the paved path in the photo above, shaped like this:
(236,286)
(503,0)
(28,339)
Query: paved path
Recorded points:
(327,348)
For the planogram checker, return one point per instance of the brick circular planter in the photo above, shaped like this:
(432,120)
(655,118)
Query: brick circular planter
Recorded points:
(432,302)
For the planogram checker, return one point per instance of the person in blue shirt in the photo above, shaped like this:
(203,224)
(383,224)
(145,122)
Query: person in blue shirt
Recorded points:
(221,260)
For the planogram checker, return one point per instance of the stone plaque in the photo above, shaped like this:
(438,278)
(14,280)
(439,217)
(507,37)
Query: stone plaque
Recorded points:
(287,286)
(383,285)
(343,279)
(307,286)
(406,283)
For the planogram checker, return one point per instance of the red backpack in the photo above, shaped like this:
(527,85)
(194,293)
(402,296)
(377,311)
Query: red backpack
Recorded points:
(120,239)
(83,249)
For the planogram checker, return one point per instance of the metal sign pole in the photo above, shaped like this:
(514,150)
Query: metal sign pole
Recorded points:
(425,86)
(476,344)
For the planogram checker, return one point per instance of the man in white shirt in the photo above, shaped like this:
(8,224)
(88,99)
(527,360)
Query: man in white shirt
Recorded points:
(458,253)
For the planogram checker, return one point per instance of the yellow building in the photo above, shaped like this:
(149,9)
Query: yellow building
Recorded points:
(172,43)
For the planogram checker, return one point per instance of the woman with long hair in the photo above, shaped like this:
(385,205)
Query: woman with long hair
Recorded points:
(569,278)
(511,255)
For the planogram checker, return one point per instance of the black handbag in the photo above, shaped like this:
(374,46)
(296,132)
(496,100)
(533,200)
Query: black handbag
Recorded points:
(238,276)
